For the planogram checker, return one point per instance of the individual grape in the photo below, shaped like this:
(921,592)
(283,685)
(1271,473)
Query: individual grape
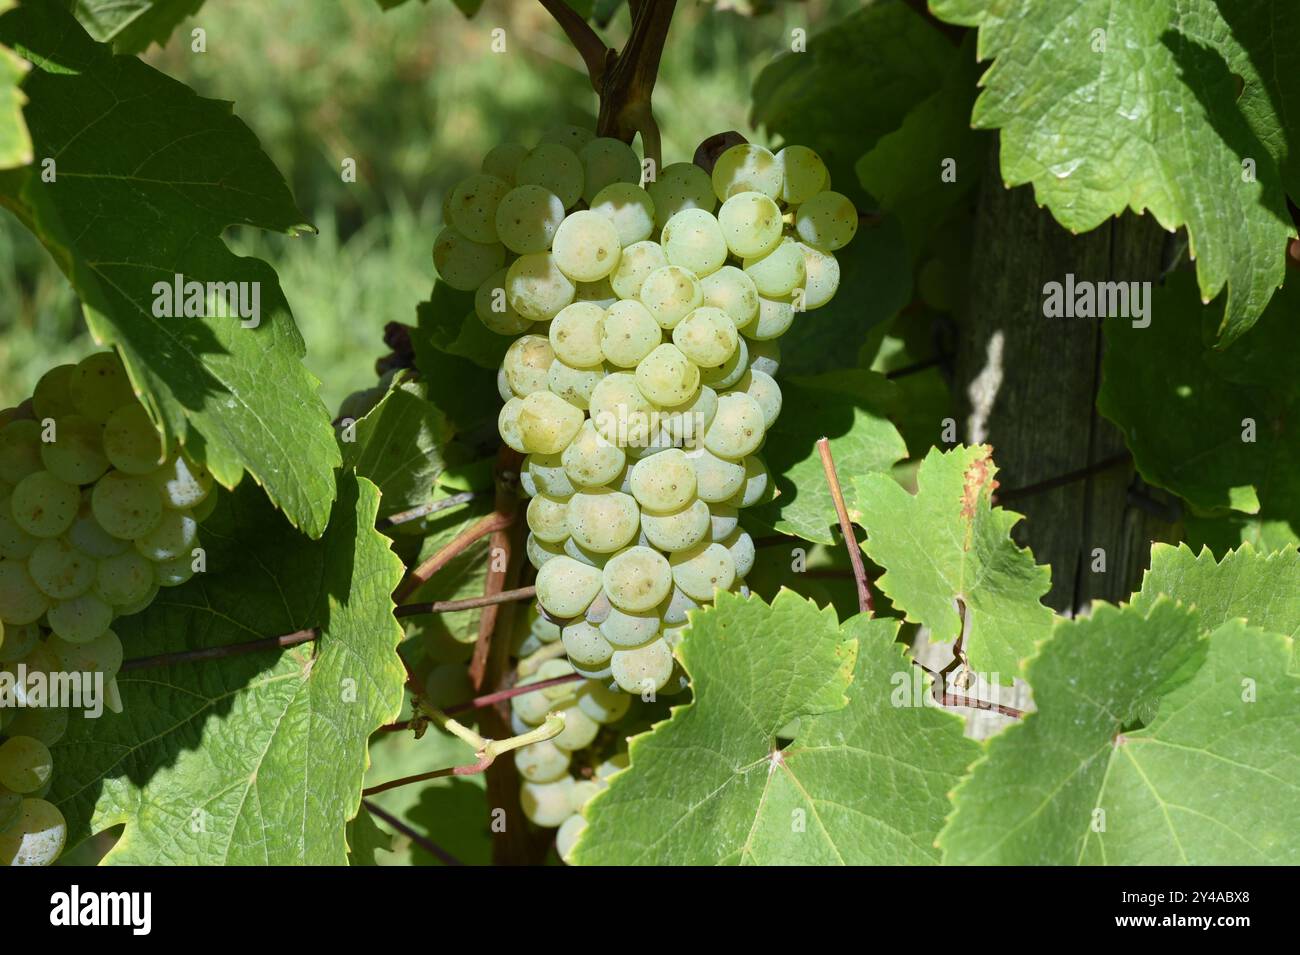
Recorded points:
(664,482)
(20,450)
(492,306)
(765,356)
(828,221)
(531,708)
(707,336)
(599,609)
(542,762)
(555,168)
(597,293)
(80,619)
(702,569)
(36,838)
(734,292)
(474,205)
(131,441)
(508,425)
(52,396)
(575,334)
(746,168)
(101,655)
(681,185)
(779,272)
(737,428)
(548,519)
(637,580)
(527,218)
(693,239)
(21,601)
(182,485)
(775,316)
(44,506)
(754,488)
(584,555)
(547,804)
(603,520)
(636,263)
(684,424)
(16,641)
(527,363)
(821,278)
(671,293)
(741,547)
(620,413)
(624,629)
(25,764)
(15,543)
(124,580)
(173,573)
(173,536)
(723,519)
(716,479)
(76,455)
(723,376)
(547,423)
(629,333)
(751,224)
(545,474)
(607,161)
(590,460)
(503,159)
(127,610)
(100,386)
(539,552)
(763,388)
(571,137)
(667,377)
(644,669)
(566,837)
(45,723)
(127,507)
(602,704)
(803,174)
(677,530)
(555,668)
(584,644)
(579,730)
(586,246)
(630,208)
(463,263)
(60,570)
(566,587)
(536,288)
(574,385)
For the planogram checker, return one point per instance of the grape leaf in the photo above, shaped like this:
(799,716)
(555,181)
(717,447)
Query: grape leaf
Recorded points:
(465,576)
(365,839)
(1223,532)
(947,543)
(457,331)
(460,387)
(861,784)
(132,25)
(1154,105)
(147,176)
(15,140)
(254,759)
(1211,779)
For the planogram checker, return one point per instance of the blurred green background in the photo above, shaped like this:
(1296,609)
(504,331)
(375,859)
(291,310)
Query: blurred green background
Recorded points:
(416,97)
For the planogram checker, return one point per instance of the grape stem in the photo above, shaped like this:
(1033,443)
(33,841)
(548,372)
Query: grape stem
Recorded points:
(490,699)
(469,603)
(424,510)
(423,841)
(865,604)
(216,653)
(595,54)
(1038,487)
(453,549)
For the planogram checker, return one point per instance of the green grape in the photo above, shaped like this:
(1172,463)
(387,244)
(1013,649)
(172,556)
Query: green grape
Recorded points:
(527,217)
(707,336)
(603,520)
(628,333)
(547,423)
(821,278)
(131,441)
(554,668)
(508,425)
(746,168)
(685,424)
(25,764)
(702,569)
(741,547)
(127,507)
(754,488)
(173,573)
(100,386)
(636,263)
(502,160)
(173,536)
(828,221)
(584,556)
(21,601)
(723,519)
(590,460)
(620,413)
(531,708)
(545,630)
(16,641)
(542,762)
(474,204)
(546,474)
(716,479)
(574,385)
(637,580)
(606,162)
(664,482)
(44,506)
(536,288)
(548,519)
(765,356)
(52,396)
(45,723)
(681,185)
(602,704)
(644,669)
(503,385)
(555,168)
(76,454)
(566,587)
(584,644)
(124,580)
(101,655)
(547,804)
(579,729)
(493,309)
(539,552)
(630,208)
(36,838)
(463,263)
(723,376)
(734,292)
(182,485)
(586,246)
(803,174)
(566,837)
(624,629)
(20,450)
(667,377)
(15,543)
(127,610)
(597,293)
(527,363)
(572,137)
(775,316)
(80,619)
(677,530)
(780,271)
(202,510)
(737,429)
(763,389)
(671,293)
(575,334)
(693,239)
(60,570)
(751,224)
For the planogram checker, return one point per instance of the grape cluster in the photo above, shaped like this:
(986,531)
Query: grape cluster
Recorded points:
(95,517)
(640,386)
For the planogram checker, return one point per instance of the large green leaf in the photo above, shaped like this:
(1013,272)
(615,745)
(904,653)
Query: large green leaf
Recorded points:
(255,759)
(460,385)
(1211,779)
(132,25)
(861,784)
(1152,106)
(946,544)
(147,175)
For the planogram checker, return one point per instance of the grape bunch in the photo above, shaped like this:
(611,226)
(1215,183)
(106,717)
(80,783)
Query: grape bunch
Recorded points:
(95,518)
(641,384)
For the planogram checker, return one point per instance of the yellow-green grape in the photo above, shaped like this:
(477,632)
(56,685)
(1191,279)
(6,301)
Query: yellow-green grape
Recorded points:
(21,601)
(624,629)
(124,580)
(101,655)
(531,708)
(548,519)
(693,239)
(664,482)
(737,429)
(173,536)
(779,272)
(542,762)
(630,208)
(492,306)
(25,764)
(575,334)
(677,530)
(131,441)
(734,292)
(603,520)
(597,293)
(526,219)
(463,263)
(16,641)
(775,316)
(723,519)
(590,460)
(702,569)
(508,425)
(754,488)
(566,837)
(765,356)
(763,388)
(555,168)
(620,413)
(52,396)
(673,611)
(80,619)
(536,288)
(751,224)
(182,485)
(503,159)
(572,137)
(547,804)
(539,552)
(821,278)
(60,570)
(44,506)
(584,644)
(741,547)
(20,450)
(606,161)
(100,386)
(76,454)
(707,336)
(45,723)
(746,168)
(527,362)
(545,474)
(584,555)
(547,422)
(586,246)
(637,580)
(828,221)
(574,385)
(602,704)
(173,573)
(144,602)
(127,507)
(667,377)
(628,333)
(566,587)
(36,837)
(643,670)
(723,376)
(803,174)
(474,204)
(685,424)
(579,729)
(716,479)
(681,185)
(636,263)
(553,668)
(671,293)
